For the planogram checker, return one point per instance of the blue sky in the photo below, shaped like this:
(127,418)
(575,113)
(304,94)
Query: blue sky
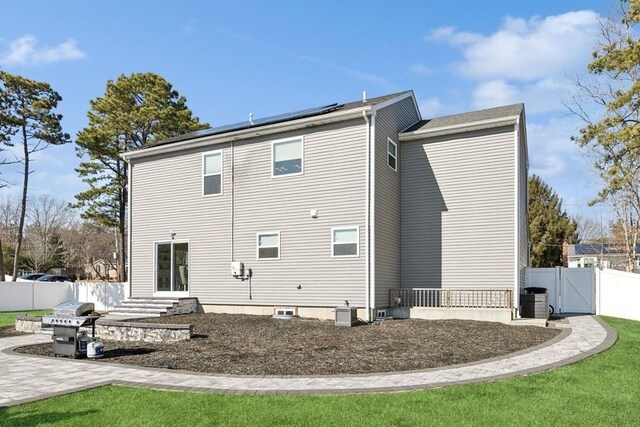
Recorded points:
(232,58)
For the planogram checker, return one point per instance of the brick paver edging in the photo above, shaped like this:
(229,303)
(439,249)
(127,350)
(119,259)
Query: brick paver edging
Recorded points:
(586,336)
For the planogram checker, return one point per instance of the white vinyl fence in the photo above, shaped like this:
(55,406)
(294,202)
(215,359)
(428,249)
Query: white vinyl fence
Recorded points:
(618,294)
(16,296)
(590,290)
(571,290)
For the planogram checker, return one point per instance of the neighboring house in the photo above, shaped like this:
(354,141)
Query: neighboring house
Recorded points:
(597,255)
(341,203)
(100,270)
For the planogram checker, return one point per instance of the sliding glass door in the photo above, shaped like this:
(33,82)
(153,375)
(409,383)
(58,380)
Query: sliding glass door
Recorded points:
(172,267)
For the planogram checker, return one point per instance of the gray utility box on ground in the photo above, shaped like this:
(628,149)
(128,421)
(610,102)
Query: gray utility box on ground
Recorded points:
(346,316)
(534,305)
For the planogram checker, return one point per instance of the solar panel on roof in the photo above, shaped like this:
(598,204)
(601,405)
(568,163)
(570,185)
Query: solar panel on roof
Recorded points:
(257,122)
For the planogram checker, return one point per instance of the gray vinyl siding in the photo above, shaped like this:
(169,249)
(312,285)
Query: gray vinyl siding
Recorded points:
(523,209)
(458,210)
(168,197)
(389,122)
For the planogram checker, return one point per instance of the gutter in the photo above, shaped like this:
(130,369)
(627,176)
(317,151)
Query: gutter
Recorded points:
(303,123)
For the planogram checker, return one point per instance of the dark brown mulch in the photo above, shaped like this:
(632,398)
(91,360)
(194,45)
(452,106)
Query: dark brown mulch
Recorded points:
(9,331)
(261,345)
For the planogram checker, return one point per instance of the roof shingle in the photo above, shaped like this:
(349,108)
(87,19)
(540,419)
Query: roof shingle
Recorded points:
(464,118)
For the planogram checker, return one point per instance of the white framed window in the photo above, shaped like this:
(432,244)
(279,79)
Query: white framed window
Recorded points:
(212,173)
(287,157)
(392,154)
(345,242)
(268,245)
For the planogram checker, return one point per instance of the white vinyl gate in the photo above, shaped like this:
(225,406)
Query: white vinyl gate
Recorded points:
(571,290)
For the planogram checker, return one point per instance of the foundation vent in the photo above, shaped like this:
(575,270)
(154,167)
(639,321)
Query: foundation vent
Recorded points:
(284,312)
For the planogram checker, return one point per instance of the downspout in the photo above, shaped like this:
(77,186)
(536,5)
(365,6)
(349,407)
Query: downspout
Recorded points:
(372,153)
(232,202)
(516,295)
(368,220)
(130,196)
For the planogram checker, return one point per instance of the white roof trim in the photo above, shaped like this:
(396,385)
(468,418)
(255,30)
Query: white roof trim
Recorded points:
(393,101)
(352,113)
(459,128)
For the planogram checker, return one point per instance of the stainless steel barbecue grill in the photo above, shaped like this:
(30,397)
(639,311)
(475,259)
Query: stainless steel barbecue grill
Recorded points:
(66,320)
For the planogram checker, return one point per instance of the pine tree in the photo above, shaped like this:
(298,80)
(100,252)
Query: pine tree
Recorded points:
(27,115)
(135,111)
(549,225)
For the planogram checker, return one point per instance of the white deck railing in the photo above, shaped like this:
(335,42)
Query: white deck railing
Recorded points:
(451,298)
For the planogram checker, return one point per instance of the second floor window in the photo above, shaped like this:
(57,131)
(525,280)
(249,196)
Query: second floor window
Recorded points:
(287,157)
(392,154)
(212,173)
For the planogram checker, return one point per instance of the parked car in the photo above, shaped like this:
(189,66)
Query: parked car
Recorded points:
(30,277)
(54,278)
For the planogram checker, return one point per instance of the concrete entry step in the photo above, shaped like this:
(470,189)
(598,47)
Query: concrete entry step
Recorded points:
(150,310)
(164,301)
(529,322)
(132,304)
(153,307)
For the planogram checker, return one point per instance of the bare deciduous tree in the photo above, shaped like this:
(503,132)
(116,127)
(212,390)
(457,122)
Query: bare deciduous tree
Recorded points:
(46,217)
(606,100)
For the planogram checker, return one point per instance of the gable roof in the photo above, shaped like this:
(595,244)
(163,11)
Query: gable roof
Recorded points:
(474,120)
(280,118)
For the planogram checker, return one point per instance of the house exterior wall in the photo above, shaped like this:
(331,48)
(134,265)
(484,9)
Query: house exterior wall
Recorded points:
(167,196)
(389,121)
(458,210)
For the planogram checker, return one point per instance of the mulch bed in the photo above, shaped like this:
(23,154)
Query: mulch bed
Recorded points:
(262,345)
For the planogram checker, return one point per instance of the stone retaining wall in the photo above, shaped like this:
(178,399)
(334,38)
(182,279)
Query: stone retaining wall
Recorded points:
(115,330)
(30,325)
(185,306)
(147,332)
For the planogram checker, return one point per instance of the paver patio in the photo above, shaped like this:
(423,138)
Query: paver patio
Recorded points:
(25,378)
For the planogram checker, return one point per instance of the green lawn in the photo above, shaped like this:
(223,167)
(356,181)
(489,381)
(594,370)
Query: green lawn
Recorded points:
(9,317)
(602,390)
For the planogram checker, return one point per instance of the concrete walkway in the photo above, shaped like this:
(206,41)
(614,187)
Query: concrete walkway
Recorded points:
(27,378)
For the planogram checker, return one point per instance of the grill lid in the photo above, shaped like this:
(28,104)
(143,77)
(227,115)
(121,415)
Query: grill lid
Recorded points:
(73,309)
(67,321)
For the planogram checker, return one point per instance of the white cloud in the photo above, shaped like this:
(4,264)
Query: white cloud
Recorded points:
(551,151)
(430,107)
(547,166)
(420,69)
(525,50)
(25,51)
(453,36)
(494,93)
(540,96)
